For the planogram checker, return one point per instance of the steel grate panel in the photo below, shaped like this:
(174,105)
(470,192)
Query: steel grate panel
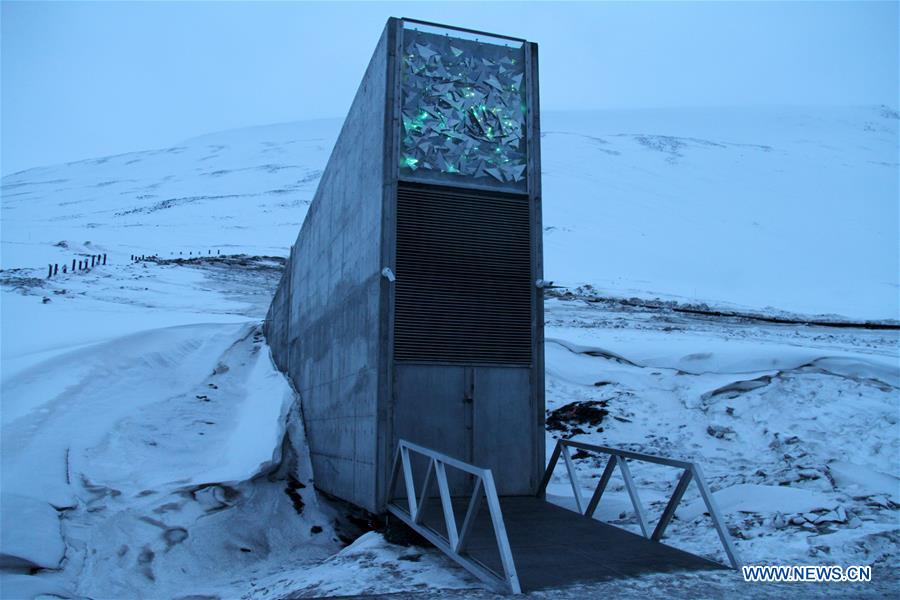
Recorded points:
(463,266)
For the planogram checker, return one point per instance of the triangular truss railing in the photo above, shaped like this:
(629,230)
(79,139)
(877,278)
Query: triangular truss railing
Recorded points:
(617,458)
(454,543)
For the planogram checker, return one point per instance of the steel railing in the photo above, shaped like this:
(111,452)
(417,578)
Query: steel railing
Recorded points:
(454,543)
(617,458)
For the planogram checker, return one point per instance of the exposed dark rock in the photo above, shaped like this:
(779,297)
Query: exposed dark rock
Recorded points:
(720,432)
(291,490)
(572,417)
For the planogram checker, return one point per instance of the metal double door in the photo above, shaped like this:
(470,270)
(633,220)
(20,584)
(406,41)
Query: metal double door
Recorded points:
(482,415)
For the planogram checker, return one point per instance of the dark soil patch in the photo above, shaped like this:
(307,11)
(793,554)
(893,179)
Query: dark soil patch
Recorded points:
(20,280)
(576,417)
(263,263)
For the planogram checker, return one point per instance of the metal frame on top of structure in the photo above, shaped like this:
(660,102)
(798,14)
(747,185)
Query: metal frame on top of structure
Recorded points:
(463,29)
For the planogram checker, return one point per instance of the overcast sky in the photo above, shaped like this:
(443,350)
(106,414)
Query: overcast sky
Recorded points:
(83,79)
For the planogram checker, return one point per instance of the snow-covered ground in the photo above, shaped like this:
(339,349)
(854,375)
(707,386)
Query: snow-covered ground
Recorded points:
(143,446)
(143,425)
(796,428)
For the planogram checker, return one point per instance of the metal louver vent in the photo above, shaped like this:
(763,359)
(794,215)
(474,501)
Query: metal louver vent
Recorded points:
(463,290)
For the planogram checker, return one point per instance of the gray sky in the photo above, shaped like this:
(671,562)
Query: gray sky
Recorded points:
(83,79)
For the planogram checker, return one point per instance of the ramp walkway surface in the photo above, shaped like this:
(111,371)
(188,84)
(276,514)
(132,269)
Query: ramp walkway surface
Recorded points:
(554,547)
(524,543)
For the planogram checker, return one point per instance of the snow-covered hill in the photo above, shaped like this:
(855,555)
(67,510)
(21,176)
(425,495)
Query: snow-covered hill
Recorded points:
(790,208)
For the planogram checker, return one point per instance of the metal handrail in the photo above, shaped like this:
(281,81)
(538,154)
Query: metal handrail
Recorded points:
(618,458)
(454,544)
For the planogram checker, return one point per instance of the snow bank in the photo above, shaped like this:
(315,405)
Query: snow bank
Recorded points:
(253,444)
(763,499)
(157,443)
(863,481)
(30,536)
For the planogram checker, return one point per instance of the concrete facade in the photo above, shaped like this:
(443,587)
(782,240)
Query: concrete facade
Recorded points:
(323,325)
(331,322)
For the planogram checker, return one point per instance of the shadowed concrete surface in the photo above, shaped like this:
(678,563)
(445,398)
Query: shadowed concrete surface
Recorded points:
(323,325)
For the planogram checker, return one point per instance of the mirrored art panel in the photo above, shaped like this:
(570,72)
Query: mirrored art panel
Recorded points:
(463,111)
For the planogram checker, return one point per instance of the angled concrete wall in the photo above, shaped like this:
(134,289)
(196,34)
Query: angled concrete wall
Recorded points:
(323,325)
(331,325)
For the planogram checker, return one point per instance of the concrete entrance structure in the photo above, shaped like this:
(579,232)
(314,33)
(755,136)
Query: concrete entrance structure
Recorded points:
(411,305)
(410,320)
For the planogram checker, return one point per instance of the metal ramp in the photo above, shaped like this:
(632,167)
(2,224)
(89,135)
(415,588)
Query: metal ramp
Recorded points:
(518,543)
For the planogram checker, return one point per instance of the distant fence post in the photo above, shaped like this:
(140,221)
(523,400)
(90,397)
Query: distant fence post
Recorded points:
(56,269)
(104,258)
(73,264)
(49,271)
